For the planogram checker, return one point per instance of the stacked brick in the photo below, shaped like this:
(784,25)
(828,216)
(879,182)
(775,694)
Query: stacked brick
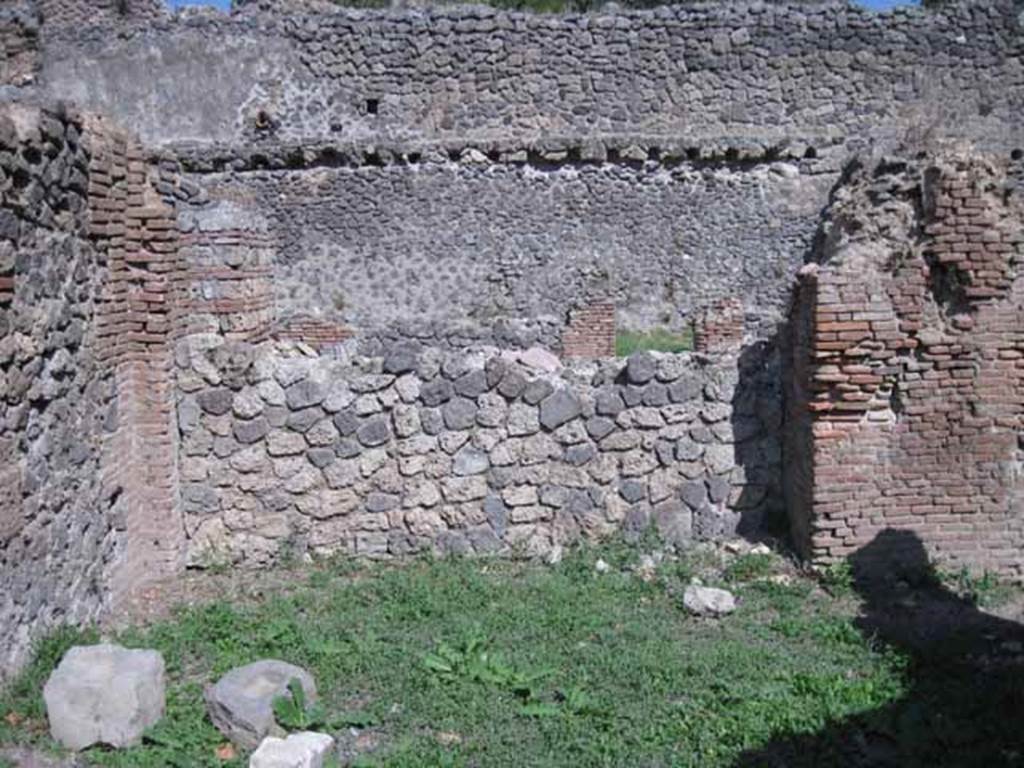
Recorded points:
(230,258)
(139,315)
(909,366)
(590,332)
(719,327)
(320,333)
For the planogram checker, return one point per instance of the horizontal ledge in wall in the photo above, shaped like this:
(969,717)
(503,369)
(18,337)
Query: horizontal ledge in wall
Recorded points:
(551,153)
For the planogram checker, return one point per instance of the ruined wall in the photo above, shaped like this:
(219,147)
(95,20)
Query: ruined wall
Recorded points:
(463,175)
(283,451)
(87,451)
(432,245)
(911,344)
(19,43)
(727,73)
(58,532)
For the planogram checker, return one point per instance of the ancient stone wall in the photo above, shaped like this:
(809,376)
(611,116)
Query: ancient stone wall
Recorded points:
(58,523)
(68,15)
(909,353)
(435,246)
(19,43)
(87,450)
(463,175)
(738,73)
(285,451)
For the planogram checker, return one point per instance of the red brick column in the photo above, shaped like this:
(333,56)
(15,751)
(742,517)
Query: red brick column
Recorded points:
(138,318)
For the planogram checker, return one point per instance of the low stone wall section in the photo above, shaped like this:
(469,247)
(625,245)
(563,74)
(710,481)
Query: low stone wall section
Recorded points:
(286,451)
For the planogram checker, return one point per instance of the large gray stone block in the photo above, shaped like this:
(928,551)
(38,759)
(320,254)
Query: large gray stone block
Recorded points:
(104,694)
(241,703)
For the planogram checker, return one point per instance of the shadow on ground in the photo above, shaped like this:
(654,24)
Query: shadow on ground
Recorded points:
(964,704)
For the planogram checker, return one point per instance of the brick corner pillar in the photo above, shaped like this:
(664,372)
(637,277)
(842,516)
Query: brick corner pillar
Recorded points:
(904,394)
(590,331)
(135,232)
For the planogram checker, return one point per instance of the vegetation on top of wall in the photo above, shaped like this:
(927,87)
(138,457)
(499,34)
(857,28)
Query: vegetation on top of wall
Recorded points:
(655,340)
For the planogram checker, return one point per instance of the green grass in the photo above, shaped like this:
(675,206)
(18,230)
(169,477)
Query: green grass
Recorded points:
(655,340)
(515,664)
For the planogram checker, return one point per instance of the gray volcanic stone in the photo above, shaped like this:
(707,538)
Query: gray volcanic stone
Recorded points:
(431,421)
(512,384)
(577,455)
(104,694)
(216,401)
(718,489)
(301,421)
(631,395)
(321,457)
(599,427)
(608,403)
(559,408)
(241,704)
(472,384)
(496,512)
(632,491)
(373,432)
(537,390)
(522,420)
(381,502)
(189,414)
(459,413)
(347,422)
(685,389)
(347,448)
(401,359)
(303,394)
(470,461)
(688,450)
(641,367)
(655,394)
(436,392)
(694,493)
(495,369)
(251,431)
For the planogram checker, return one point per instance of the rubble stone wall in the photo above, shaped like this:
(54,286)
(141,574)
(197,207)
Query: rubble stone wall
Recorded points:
(755,73)
(59,532)
(286,451)
(88,286)
(443,250)
(907,393)
(19,43)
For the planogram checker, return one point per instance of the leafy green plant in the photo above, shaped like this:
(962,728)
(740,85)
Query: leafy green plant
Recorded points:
(471,660)
(837,578)
(985,589)
(294,713)
(750,566)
